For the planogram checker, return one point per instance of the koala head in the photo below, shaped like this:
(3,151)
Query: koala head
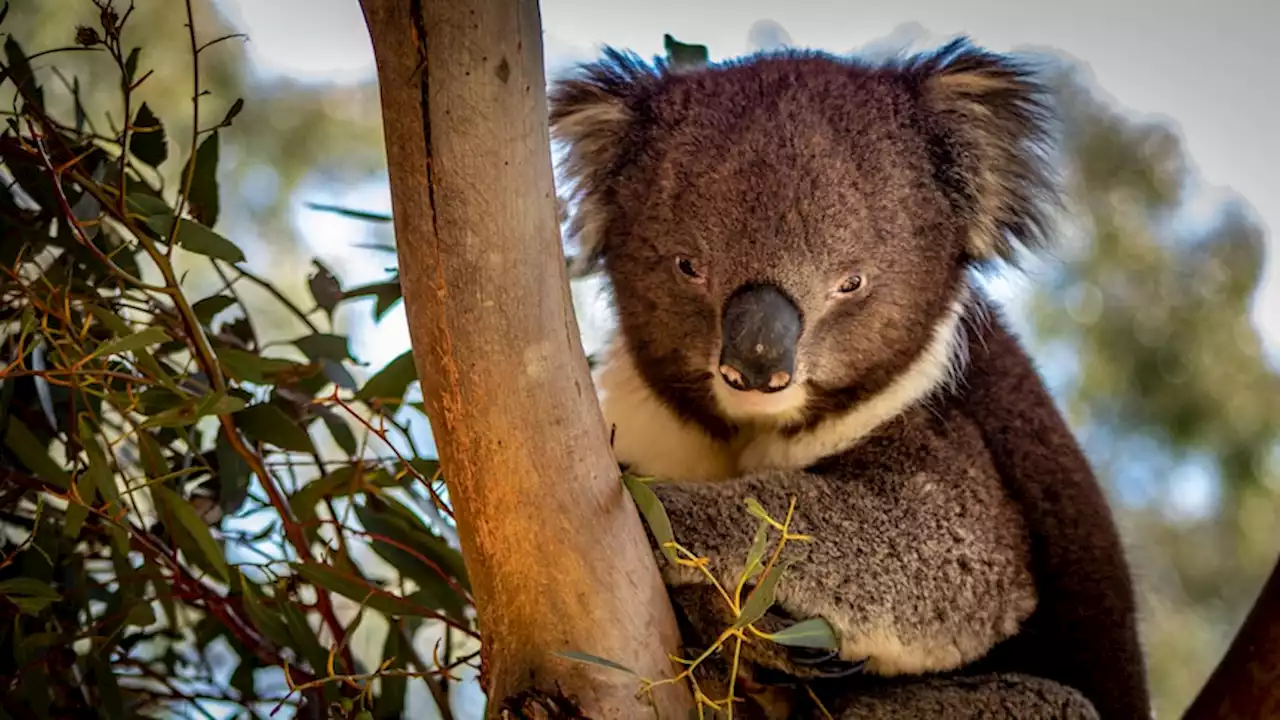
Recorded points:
(785,233)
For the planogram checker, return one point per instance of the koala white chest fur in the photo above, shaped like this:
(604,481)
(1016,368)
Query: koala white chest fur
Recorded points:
(652,440)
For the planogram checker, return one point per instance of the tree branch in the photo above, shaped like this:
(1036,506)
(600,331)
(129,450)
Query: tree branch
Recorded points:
(556,553)
(1246,684)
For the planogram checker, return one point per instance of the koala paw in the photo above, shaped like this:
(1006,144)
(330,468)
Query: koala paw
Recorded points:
(825,664)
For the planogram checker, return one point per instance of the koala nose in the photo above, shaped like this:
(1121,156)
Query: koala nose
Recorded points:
(761,327)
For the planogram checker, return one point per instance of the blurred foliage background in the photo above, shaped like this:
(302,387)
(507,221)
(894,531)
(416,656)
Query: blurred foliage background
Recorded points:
(1141,324)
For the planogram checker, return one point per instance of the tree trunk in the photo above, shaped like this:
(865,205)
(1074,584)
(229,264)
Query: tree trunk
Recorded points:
(555,549)
(1246,684)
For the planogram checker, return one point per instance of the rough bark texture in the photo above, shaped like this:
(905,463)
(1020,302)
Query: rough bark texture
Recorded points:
(1246,684)
(557,556)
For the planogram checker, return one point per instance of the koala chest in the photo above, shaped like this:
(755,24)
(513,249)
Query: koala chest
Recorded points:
(648,437)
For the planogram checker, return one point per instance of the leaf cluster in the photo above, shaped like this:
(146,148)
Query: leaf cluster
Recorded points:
(169,483)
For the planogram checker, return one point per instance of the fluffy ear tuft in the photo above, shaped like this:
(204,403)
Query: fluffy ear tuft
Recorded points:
(593,112)
(993,128)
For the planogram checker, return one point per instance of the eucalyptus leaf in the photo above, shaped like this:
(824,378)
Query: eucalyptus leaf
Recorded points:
(347,212)
(198,238)
(594,660)
(209,307)
(233,475)
(391,382)
(390,538)
(391,696)
(340,429)
(202,196)
(755,556)
(325,289)
(148,142)
(654,514)
(684,55)
(253,368)
(136,341)
(207,553)
(763,596)
(360,590)
(811,633)
(268,623)
(34,454)
(269,424)
(324,346)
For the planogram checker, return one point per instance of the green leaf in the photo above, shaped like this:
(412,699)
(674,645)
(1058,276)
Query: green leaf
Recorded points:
(304,640)
(110,701)
(20,73)
(755,508)
(354,214)
(269,424)
(811,633)
(76,512)
(233,111)
(141,615)
(148,142)
(324,287)
(755,556)
(268,623)
(209,307)
(204,550)
(435,592)
(233,475)
(103,477)
(387,517)
(152,455)
(141,339)
(219,404)
(387,294)
(338,483)
(340,430)
(249,367)
(144,358)
(30,595)
(682,55)
(762,597)
(202,196)
(196,237)
(34,454)
(654,514)
(194,409)
(359,589)
(146,205)
(131,65)
(429,469)
(323,346)
(28,587)
(391,382)
(242,678)
(337,374)
(390,702)
(594,660)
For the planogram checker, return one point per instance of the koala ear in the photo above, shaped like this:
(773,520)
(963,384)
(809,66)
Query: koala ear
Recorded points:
(992,133)
(593,112)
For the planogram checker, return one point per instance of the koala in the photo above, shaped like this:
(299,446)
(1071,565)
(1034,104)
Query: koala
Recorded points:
(790,241)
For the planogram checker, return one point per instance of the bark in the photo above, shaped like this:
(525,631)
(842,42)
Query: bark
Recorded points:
(1246,684)
(555,549)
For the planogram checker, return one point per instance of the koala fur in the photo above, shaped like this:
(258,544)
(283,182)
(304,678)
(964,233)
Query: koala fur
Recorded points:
(962,548)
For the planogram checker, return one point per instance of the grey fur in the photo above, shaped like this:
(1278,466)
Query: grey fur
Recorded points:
(931,552)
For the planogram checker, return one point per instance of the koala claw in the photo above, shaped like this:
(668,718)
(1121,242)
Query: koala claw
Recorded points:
(826,664)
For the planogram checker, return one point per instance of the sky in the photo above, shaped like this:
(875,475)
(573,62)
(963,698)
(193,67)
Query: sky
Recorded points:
(1207,67)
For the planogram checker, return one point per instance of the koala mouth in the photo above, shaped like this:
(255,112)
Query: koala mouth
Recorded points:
(755,376)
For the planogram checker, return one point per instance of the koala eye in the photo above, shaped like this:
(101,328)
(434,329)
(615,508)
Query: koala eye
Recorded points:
(850,285)
(686,268)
